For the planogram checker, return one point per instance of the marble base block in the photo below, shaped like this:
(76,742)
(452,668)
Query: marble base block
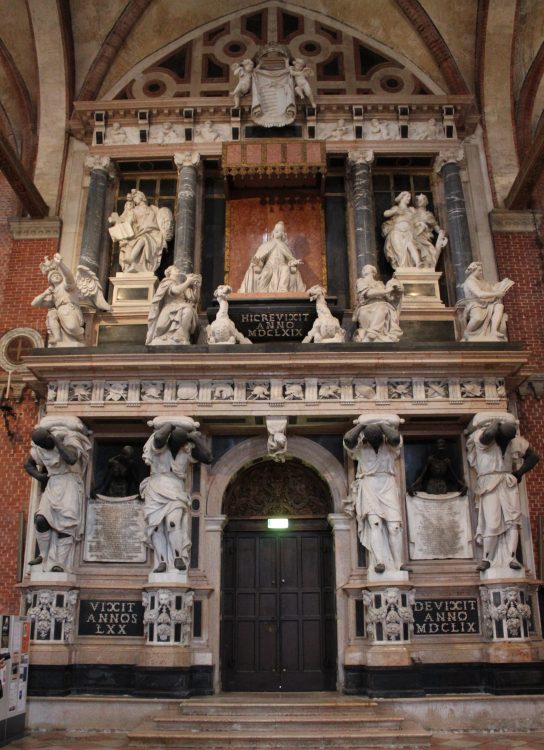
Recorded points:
(501,573)
(421,290)
(132,291)
(46,577)
(389,576)
(168,578)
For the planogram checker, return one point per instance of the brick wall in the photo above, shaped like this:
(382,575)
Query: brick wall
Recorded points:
(521,259)
(15,496)
(20,282)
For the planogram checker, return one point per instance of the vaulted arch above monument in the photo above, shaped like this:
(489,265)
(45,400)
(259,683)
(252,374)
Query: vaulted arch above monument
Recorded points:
(358,58)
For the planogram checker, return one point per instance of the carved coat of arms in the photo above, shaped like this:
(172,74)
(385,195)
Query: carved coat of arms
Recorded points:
(272,86)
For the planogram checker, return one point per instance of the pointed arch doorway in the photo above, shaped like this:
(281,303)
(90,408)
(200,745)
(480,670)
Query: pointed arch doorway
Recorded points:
(278,624)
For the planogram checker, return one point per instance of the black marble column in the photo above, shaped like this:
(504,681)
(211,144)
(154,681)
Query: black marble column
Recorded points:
(93,228)
(184,244)
(363,209)
(458,231)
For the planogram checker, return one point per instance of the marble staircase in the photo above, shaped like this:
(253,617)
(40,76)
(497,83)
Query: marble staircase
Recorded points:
(267,721)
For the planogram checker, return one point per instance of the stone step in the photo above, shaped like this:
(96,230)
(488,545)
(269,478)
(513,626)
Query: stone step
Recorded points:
(410,736)
(210,706)
(275,721)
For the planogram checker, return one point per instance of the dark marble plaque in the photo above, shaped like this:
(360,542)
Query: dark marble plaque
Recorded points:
(116,617)
(446,617)
(262,320)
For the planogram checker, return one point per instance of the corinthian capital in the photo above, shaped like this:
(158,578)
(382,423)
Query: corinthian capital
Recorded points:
(451,156)
(186,159)
(361,156)
(93,161)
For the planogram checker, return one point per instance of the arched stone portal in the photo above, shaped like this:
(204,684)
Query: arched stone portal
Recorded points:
(313,509)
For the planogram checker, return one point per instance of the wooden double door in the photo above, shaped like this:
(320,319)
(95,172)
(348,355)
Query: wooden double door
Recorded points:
(278,626)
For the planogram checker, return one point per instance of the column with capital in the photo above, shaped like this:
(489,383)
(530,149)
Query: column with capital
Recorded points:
(447,165)
(363,208)
(184,244)
(101,170)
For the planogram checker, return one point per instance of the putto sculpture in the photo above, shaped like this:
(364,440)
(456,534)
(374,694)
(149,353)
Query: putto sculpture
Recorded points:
(375,444)
(273,268)
(500,457)
(174,444)
(173,315)
(408,234)
(378,308)
(58,458)
(222,330)
(142,231)
(63,299)
(326,328)
(482,308)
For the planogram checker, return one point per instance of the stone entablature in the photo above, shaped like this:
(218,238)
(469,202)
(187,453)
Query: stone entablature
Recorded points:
(212,119)
(301,395)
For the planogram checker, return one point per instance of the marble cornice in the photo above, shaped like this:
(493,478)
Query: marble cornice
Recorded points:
(35,229)
(281,360)
(513,222)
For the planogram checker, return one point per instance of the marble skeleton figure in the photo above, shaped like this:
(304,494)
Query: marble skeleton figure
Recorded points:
(174,444)
(173,315)
(483,309)
(500,457)
(375,444)
(273,268)
(378,308)
(142,231)
(438,475)
(58,459)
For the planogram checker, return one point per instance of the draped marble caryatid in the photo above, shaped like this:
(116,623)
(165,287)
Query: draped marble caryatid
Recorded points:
(375,443)
(174,444)
(447,164)
(184,244)
(363,208)
(58,459)
(500,458)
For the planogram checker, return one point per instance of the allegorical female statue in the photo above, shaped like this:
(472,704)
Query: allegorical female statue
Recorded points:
(173,315)
(142,232)
(378,308)
(274,268)
(408,234)
(62,298)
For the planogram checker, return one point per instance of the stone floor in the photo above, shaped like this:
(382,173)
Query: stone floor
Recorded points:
(117,741)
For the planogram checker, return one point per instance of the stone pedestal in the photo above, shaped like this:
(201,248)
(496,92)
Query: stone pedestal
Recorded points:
(132,291)
(421,290)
